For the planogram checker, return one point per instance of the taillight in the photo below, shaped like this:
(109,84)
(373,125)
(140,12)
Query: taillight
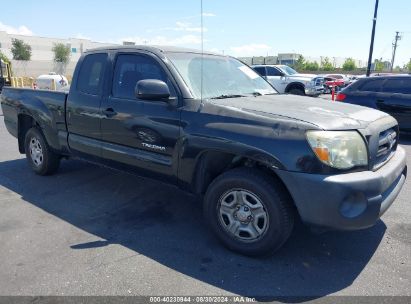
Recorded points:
(341,97)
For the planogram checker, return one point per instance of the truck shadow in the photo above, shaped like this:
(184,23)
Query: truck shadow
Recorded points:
(166,225)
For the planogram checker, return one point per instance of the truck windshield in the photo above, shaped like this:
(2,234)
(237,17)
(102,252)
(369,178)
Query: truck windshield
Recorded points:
(287,70)
(223,77)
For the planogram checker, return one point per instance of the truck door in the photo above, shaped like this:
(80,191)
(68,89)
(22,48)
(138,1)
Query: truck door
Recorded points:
(140,133)
(83,105)
(276,78)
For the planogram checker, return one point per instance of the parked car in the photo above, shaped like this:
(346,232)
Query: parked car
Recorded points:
(390,94)
(340,77)
(210,125)
(286,80)
(330,83)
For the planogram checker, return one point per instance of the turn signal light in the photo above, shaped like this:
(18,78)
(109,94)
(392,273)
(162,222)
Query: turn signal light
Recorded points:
(322,154)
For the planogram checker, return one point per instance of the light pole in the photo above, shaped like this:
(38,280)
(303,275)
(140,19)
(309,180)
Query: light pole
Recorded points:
(374,22)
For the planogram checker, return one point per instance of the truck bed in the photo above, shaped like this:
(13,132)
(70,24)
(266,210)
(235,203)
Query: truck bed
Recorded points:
(46,107)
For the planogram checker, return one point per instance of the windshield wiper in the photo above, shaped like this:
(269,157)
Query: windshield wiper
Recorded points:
(255,94)
(224,96)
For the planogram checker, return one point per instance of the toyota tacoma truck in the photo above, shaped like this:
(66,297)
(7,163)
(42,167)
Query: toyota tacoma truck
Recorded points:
(210,125)
(288,81)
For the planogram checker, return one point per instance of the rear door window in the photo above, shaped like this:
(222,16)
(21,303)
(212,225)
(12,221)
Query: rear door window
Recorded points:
(398,85)
(90,79)
(372,85)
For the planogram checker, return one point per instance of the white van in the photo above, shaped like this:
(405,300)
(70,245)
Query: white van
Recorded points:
(44,82)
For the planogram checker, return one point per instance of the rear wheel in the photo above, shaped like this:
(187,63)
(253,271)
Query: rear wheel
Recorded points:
(249,211)
(41,158)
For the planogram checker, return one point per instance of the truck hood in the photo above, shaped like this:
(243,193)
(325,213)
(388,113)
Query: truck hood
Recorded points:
(302,77)
(323,114)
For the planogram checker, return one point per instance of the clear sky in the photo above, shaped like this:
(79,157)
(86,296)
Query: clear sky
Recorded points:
(239,27)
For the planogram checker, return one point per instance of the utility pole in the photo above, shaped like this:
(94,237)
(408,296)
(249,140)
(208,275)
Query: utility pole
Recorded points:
(374,22)
(394,48)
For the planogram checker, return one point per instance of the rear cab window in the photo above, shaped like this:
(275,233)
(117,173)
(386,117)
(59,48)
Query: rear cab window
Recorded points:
(90,79)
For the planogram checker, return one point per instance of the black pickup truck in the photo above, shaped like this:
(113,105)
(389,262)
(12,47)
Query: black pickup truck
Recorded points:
(212,126)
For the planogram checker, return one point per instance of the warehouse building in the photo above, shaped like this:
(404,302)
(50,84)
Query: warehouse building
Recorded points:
(42,55)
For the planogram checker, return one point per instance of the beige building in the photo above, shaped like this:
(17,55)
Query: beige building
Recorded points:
(42,55)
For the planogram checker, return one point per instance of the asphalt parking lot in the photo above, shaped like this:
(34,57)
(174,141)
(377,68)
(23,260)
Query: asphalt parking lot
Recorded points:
(93,231)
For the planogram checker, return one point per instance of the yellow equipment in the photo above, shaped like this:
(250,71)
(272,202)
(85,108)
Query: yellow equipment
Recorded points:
(5,74)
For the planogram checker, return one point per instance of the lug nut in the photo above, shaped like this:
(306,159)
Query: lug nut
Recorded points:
(246,209)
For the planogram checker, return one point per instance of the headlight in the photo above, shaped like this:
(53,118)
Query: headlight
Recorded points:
(339,149)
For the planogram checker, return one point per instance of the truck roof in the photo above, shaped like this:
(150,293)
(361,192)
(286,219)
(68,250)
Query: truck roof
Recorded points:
(150,48)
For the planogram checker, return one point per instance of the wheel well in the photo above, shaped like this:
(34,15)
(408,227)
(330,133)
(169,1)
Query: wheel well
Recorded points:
(212,164)
(25,123)
(295,85)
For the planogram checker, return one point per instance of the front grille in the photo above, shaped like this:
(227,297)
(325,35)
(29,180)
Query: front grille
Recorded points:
(319,81)
(387,145)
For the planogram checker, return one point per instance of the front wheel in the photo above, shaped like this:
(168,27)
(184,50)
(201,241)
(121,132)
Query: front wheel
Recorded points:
(41,158)
(297,91)
(249,211)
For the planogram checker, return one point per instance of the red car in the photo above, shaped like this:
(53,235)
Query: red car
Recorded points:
(329,83)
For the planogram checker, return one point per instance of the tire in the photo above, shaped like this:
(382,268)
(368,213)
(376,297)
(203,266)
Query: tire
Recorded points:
(42,160)
(296,91)
(249,188)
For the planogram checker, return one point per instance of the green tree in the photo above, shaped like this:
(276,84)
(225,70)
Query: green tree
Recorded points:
(407,66)
(349,65)
(312,66)
(61,53)
(326,65)
(397,69)
(20,50)
(4,58)
(299,65)
(378,65)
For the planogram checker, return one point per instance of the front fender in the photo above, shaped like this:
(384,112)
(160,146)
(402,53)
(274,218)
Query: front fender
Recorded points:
(208,156)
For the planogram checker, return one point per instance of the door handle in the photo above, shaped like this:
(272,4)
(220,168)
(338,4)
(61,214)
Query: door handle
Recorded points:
(109,112)
(380,101)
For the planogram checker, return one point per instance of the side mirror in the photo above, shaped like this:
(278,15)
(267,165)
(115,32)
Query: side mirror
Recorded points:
(152,89)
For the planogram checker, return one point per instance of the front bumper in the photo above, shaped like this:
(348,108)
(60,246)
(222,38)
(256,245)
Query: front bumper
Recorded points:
(314,91)
(347,201)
